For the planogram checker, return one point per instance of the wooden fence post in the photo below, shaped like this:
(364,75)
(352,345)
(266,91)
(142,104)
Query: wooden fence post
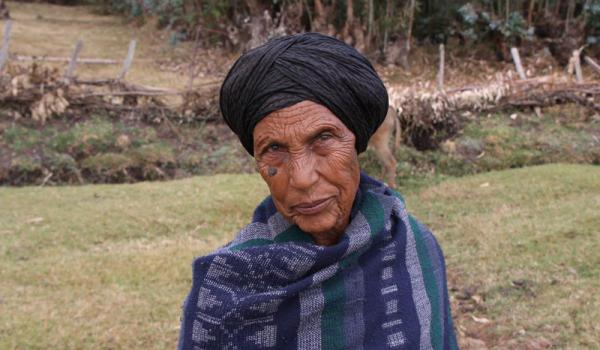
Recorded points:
(5,43)
(73,62)
(440,77)
(595,66)
(517,59)
(128,60)
(577,62)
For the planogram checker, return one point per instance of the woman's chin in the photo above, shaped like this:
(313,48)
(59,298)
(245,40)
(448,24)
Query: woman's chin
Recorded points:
(322,228)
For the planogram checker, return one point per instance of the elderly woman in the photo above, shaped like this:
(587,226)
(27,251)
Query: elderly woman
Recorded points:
(332,259)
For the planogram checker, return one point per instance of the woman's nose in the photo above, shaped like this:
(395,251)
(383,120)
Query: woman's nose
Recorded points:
(303,172)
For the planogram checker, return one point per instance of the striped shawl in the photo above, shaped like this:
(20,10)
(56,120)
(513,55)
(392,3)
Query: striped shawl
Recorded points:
(383,286)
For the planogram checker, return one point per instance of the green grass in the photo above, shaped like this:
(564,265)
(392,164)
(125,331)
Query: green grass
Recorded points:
(527,240)
(108,266)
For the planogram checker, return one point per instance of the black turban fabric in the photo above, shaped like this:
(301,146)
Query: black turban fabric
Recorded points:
(308,66)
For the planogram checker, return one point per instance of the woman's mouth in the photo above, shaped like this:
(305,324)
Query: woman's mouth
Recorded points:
(314,207)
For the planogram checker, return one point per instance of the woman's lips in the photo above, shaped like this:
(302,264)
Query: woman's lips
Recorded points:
(310,208)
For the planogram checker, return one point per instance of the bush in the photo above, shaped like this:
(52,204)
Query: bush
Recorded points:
(481,26)
(108,167)
(85,139)
(592,12)
(20,138)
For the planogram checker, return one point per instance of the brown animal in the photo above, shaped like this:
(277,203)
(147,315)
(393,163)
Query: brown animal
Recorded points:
(380,144)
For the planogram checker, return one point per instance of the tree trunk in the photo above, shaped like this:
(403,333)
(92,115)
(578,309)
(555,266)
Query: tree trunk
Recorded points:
(4,14)
(411,20)
(347,32)
(570,11)
(319,9)
(292,16)
(257,28)
(371,14)
(585,13)
(320,18)
(530,13)
(389,8)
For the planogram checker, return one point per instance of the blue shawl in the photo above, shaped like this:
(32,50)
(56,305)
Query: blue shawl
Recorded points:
(383,286)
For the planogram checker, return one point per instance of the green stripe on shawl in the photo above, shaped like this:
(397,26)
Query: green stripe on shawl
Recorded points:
(399,196)
(255,242)
(430,285)
(453,344)
(350,259)
(293,234)
(332,317)
(373,211)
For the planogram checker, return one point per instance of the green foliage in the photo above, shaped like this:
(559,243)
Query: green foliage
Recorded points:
(89,137)
(592,11)
(20,138)
(159,153)
(481,26)
(27,164)
(435,20)
(107,164)
(62,166)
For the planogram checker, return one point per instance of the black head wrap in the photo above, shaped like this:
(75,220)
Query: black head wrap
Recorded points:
(308,66)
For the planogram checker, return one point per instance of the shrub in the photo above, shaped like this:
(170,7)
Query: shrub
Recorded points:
(85,139)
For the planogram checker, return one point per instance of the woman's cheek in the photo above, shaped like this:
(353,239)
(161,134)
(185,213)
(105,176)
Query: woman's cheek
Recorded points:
(274,176)
(342,159)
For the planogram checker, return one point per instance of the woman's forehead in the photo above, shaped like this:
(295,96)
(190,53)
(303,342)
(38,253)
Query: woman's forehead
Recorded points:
(303,118)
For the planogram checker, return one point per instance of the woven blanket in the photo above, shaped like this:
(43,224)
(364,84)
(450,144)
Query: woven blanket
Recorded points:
(383,286)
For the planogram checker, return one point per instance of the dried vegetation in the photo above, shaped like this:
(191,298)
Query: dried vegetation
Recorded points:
(430,117)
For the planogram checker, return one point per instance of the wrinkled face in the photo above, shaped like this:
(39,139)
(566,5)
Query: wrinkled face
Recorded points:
(307,157)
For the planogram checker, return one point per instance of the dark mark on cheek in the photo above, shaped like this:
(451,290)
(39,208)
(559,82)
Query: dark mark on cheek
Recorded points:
(272,171)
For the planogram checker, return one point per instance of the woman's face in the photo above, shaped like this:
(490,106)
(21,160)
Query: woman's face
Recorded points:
(307,157)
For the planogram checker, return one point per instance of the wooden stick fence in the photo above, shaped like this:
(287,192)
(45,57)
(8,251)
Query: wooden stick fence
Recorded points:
(517,59)
(69,75)
(128,60)
(595,66)
(72,61)
(5,43)
(21,58)
(519,66)
(440,76)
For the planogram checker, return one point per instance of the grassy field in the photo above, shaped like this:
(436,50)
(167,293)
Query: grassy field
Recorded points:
(108,266)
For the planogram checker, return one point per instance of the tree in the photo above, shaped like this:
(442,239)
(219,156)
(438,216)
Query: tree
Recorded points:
(4,14)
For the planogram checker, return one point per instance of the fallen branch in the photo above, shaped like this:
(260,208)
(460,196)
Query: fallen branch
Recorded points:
(64,59)
(595,66)
(127,93)
(131,86)
(427,117)
(40,93)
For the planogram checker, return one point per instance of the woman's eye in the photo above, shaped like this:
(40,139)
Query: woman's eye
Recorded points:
(274,148)
(325,136)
